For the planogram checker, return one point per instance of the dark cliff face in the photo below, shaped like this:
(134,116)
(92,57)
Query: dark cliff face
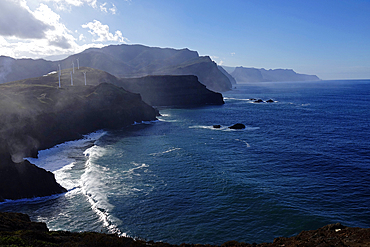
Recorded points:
(125,61)
(183,91)
(36,114)
(242,74)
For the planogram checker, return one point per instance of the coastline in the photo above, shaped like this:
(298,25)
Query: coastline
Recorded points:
(16,229)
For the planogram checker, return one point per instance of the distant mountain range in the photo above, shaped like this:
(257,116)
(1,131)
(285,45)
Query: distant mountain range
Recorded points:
(125,61)
(134,61)
(243,75)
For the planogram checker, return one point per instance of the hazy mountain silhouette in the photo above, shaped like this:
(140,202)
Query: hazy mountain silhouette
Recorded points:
(226,73)
(125,61)
(242,74)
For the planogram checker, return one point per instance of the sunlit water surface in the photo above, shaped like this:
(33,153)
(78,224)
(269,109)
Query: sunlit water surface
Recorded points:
(302,162)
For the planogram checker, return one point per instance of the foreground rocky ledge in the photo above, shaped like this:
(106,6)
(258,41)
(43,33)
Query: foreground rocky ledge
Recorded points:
(16,229)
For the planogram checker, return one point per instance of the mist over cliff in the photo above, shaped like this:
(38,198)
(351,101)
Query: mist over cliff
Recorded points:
(37,114)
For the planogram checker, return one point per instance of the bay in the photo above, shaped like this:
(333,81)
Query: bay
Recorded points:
(301,162)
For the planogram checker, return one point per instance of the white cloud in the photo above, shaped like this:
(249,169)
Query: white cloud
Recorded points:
(217,60)
(102,31)
(103,8)
(232,54)
(113,10)
(16,20)
(67,4)
(40,32)
(61,36)
(81,37)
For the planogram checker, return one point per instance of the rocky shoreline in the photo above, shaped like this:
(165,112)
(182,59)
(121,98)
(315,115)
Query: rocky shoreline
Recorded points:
(36,114)
(41,112)
(16,229)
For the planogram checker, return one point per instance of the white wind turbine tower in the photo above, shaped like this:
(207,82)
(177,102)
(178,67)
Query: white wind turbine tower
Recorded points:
(73,66)
(71,79)
(85,77)
(78,63)
(59,73)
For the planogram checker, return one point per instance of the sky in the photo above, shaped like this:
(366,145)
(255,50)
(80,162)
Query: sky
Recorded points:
(329,38)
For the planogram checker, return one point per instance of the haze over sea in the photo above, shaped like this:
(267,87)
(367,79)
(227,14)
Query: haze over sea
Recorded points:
(301,163)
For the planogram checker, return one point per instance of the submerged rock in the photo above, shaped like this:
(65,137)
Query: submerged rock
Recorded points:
(237,126)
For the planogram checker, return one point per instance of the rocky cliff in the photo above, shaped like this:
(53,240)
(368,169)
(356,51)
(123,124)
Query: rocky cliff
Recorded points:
(243,75)
(226,73)
(125,61)
(183,91)
(37,114)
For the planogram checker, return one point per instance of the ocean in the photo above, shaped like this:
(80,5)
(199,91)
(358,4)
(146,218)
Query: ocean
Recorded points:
(301,162)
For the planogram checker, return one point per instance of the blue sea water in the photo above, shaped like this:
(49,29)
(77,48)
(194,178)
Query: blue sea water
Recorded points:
(301,163)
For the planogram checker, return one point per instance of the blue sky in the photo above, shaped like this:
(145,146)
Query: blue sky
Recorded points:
(329,38)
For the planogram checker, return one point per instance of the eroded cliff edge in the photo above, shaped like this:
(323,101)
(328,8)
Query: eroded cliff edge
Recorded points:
(17,230)
(37,114)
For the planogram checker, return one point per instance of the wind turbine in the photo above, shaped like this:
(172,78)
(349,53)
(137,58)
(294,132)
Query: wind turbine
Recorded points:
(71,79)
(78,63)
(59,73)
(73,65)
(85,77)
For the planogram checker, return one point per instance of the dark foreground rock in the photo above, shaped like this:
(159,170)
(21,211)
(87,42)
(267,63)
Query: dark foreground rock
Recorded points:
(17,230)
(22,180)
(36,114)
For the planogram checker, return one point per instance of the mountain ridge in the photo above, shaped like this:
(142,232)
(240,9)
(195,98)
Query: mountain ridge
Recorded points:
(246,75)
(125,61)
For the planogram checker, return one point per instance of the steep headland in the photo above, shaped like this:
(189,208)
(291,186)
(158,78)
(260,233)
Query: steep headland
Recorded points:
(18,230)
(226,73)
(125,61)
(243,75)
(181,91)
(160,90)
(37,114)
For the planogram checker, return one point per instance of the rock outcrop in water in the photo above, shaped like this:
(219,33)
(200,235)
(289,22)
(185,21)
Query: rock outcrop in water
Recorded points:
(36,114)
(17,230)
(237,126)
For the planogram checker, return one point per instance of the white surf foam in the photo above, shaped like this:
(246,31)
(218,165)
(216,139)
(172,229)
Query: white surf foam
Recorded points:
(94,187)
(33,200)
(246,143)
(230,98)
(165,152)
(222,128)
(57,157)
